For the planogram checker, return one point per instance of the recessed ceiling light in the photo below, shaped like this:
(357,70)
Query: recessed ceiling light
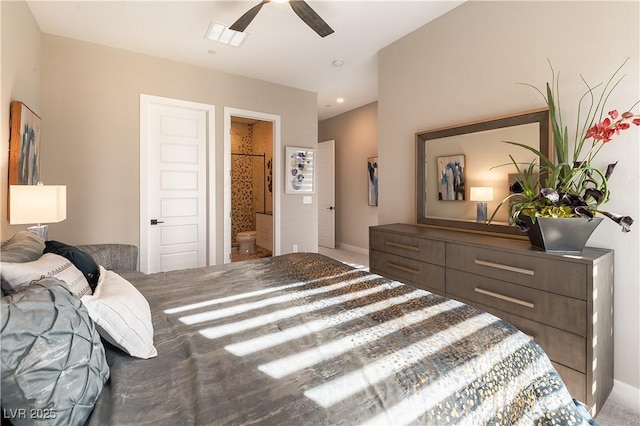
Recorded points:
(337,63)
(222,34)
(340,100)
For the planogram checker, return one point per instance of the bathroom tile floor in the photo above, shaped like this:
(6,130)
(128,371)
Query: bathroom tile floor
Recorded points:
(260,252)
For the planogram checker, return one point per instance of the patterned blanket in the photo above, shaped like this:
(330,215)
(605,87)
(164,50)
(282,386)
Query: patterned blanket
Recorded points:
(302,339)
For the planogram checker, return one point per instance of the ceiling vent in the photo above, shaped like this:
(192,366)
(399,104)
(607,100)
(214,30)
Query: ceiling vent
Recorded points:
(222,34)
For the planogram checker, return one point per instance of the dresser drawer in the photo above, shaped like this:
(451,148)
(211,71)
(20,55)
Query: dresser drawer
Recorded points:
(558,311)
(575,382)
(419,274)
(557,276)
(426,250)
(562,347)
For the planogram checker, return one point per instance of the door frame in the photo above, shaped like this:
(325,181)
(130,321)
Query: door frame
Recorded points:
(277,175)
(332,143)
(145,102)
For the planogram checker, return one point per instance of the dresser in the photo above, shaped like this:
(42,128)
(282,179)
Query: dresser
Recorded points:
(563,302)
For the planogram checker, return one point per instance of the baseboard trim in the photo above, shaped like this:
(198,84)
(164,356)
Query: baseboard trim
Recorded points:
(626,395)
(359,250)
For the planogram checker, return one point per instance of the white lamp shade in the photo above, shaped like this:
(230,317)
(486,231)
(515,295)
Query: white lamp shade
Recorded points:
(37,204)
(481,193)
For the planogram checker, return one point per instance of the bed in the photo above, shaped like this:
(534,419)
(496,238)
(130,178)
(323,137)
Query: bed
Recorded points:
(305,339)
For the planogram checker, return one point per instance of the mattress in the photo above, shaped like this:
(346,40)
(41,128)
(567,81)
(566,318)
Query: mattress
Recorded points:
(304,339)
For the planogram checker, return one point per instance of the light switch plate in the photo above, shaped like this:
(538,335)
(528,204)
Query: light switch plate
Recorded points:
(307,199)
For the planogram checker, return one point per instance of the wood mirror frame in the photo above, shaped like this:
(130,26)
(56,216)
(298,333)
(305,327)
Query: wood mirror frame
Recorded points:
(540,116)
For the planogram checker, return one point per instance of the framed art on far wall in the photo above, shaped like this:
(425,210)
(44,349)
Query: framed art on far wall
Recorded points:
(24,145)
(372,171)
(299,173)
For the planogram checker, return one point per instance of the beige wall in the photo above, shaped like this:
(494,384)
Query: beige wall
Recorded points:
(465,65)
(356,136)
(21,71)
(90,109)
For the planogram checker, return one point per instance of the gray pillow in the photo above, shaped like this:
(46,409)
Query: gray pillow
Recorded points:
(53,362)
(24,246)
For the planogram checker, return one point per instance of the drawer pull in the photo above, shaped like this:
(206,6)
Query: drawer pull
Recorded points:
(403,268)
(403,246)
(505,267)
(503,297)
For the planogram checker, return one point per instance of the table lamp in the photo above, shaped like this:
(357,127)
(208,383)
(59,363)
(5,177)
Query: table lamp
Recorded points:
(482,194)
(37,204)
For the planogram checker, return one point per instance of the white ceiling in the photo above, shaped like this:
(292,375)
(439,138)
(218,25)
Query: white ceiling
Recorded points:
(280,48)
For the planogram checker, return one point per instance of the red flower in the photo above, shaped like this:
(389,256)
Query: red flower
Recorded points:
(606,129)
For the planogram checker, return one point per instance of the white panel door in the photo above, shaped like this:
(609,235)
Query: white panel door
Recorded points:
(177,184)
(325,174)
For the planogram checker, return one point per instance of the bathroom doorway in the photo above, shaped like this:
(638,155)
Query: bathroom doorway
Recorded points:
(252,188)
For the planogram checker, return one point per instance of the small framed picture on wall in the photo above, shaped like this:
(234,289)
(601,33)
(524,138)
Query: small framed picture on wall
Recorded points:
(299,170)
(372,172)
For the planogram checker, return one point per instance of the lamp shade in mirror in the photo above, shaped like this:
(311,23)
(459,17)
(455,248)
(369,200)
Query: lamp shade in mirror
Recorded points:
(481,193)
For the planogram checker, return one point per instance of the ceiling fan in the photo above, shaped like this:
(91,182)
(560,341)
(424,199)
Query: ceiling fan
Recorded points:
(300,7)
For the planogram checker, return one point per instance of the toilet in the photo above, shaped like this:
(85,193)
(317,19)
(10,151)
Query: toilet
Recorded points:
(247,240)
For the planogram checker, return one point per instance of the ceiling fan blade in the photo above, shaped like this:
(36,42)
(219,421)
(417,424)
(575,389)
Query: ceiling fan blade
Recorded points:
(243,22)
(310,17)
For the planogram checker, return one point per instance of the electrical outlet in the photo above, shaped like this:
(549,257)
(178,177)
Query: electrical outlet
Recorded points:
(295,248)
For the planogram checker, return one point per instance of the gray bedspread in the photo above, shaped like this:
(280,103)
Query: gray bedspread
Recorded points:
(302,339)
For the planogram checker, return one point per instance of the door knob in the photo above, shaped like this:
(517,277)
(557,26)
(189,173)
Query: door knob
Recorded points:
(330,208)
(156,221)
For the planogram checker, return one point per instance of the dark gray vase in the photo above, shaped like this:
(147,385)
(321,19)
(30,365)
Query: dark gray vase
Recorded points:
(561,235)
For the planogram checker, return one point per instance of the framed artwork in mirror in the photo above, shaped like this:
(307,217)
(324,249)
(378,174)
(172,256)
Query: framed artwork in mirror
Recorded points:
(451,182)
(299,170)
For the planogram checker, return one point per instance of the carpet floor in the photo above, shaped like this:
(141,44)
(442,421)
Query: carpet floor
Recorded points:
(613,414)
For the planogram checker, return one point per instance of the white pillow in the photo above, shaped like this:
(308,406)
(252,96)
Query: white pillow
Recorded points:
(122,315)
(16,275)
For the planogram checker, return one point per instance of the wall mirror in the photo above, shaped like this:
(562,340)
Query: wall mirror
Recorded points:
(475,149)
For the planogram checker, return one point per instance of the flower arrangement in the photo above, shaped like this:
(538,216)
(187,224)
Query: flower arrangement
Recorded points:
(570,186)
